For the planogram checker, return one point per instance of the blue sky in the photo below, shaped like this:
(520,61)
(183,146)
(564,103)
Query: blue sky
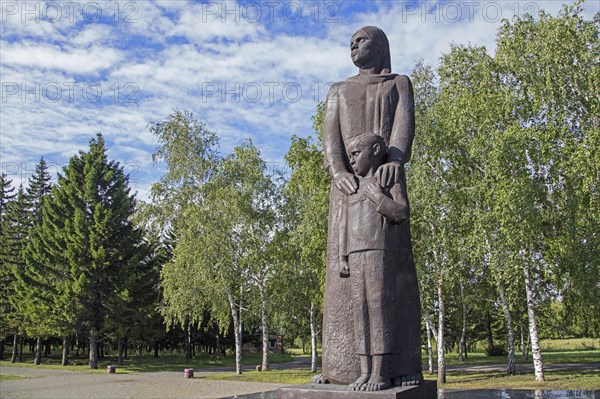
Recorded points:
(249,69)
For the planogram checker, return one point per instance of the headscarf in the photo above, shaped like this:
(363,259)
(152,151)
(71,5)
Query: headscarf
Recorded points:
(377,35)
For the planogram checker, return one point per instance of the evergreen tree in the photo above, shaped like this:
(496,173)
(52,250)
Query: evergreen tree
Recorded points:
(88,242)
(16,231)
(38,188)
(6,277)
(29,297)
(37,298)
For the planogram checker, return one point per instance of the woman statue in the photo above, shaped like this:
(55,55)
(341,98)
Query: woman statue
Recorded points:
(378,102)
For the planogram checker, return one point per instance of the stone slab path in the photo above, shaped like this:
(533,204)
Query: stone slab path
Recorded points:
(62,384)
(51,384)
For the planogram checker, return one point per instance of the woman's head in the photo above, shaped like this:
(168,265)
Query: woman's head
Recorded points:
(369,48)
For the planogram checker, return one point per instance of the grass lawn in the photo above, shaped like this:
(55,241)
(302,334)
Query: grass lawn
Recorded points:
(554,357)
(9,377)
(563,380)
(165,362)
(276,376)
(572,380)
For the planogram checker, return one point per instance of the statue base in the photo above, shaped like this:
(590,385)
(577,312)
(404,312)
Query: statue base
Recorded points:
(427,390)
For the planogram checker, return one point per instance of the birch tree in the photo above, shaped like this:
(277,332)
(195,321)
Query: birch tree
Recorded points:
(307,199)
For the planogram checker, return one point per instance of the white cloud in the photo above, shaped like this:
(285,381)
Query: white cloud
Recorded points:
(92,35)
(148,19)
(204,22)
(48,56)
(171,50)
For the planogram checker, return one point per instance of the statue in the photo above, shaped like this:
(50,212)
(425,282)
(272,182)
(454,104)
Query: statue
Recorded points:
(371,320)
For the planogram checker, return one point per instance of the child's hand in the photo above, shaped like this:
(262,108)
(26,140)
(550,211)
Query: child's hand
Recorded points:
(374,192)
(344,269)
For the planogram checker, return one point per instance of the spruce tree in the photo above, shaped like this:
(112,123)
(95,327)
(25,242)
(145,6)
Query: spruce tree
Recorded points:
(15,234)
(32,296)
(6,278)
(38,189)
(88,239)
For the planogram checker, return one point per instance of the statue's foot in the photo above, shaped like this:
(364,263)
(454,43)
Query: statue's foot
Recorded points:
(408,380)
(320,379)
(376,383)
(359,383)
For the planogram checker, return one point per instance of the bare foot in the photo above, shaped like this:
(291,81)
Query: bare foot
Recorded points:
(359,383)
(377,383)
(408,380)
(320,379)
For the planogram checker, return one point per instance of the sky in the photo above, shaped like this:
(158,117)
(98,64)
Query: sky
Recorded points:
(248,69)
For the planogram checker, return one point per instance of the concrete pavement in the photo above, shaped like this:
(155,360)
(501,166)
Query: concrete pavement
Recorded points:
(61,384)
(58,384)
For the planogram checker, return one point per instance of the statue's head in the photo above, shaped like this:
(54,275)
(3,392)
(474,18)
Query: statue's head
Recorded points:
(369,48)
(366,153)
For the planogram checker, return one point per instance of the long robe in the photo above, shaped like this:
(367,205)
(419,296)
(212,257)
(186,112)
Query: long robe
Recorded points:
(380,104)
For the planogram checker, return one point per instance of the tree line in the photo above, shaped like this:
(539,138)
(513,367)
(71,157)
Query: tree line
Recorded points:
(503,185)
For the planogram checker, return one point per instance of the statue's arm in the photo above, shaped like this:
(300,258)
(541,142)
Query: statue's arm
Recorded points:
(401,138)
(403,131)
(396,208)
(333,145)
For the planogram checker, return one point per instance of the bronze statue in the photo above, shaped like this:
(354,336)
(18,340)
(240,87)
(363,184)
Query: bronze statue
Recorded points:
(371,321)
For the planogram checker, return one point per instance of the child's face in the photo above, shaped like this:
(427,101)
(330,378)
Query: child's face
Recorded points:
(363,159)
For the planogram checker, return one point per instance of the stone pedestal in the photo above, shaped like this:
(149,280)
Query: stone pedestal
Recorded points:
(427,390)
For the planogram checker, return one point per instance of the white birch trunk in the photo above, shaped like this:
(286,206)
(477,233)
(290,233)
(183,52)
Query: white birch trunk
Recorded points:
(430,324)
(265,331)
(237,332)
(462,345)
(536,353)
(440,341)
(38,352)
(511,367)
(429,347)
(313,338)
(187,346)
(65,351)
(15,348)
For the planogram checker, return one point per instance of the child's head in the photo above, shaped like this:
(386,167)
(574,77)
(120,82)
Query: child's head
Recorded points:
(366,153)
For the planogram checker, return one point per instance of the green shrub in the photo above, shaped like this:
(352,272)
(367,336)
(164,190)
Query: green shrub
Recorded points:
(498,350)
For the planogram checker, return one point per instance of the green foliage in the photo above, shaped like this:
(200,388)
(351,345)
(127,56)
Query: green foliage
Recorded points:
(85,260)
(503,177)
(550,67)
(223,213)
(10,204)
(304,239)
(31,291)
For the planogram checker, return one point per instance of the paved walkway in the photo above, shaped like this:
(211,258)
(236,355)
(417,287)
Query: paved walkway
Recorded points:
(51,384)
(59,384)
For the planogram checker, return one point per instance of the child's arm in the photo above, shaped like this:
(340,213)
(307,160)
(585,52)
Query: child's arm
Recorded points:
(343,240)
(396,209)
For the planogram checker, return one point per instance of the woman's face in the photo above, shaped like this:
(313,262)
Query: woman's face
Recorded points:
(364,51)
